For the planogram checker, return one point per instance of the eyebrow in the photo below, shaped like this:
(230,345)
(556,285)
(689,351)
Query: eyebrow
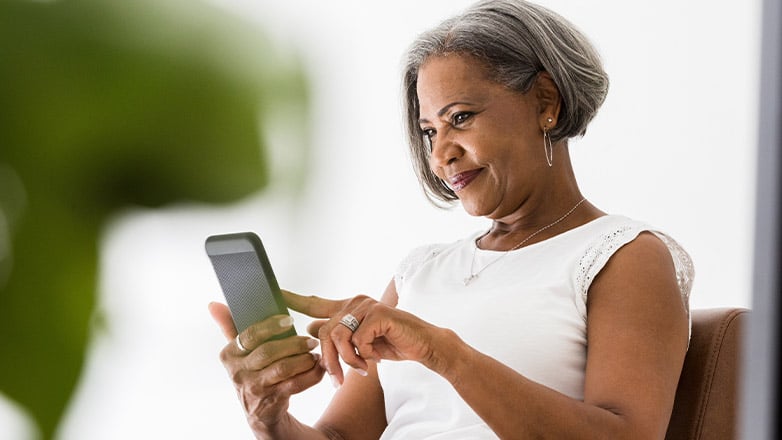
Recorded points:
(445,110)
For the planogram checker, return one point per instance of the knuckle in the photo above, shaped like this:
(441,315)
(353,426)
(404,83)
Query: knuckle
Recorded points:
(258,389)
(263,352)
(358,299)
(294,386)
(282,369)
(225,356)
(237,377)
(341,337)
(250,338)
(257,333)
(334,331)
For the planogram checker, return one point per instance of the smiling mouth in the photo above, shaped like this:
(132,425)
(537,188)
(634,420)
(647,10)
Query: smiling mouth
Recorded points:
(460,181)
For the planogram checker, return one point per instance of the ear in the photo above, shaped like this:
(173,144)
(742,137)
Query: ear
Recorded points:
(549,101)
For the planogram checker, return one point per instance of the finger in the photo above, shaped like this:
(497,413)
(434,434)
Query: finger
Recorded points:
(288,368)
(312,305)
(371,339)
(369,347)
(255,335)
(222,317)
(341,335)
(304,380)
(273,351)
(330,357)
(259,392)
(314,327)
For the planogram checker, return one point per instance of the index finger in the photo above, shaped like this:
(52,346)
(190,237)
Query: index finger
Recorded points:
(313,306)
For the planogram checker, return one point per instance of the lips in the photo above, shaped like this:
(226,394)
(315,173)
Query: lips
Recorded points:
(459,181)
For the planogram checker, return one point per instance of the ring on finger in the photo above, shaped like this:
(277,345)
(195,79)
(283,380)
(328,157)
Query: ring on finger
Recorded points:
(240,346)
(350,322)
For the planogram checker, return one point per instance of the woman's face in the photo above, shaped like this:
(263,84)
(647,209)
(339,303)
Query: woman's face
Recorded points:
(486,140)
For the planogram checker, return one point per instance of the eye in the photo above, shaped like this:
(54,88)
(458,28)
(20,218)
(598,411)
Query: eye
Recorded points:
(461,117)
(427,135)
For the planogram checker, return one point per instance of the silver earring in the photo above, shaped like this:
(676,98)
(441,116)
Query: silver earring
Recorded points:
(548,148)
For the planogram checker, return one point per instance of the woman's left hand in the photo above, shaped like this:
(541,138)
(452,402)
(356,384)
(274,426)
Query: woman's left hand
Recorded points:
(384,332)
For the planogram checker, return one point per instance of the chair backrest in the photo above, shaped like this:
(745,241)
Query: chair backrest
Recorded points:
(706,398)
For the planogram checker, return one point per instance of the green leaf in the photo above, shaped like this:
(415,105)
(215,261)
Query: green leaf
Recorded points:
(105,105)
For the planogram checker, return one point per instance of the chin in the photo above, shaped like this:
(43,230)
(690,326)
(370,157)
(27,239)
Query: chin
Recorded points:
(475,210)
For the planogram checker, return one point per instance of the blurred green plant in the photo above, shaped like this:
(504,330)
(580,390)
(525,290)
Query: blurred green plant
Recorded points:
(104,105)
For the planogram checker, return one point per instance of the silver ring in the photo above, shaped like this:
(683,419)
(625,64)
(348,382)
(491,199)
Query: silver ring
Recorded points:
(240,346)
(350,322)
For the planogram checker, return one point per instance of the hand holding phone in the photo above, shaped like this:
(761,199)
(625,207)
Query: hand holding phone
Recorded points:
(246,278)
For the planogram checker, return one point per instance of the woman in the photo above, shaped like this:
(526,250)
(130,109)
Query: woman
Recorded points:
(559,321)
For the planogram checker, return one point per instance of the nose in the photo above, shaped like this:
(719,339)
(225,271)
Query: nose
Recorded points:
(446,149)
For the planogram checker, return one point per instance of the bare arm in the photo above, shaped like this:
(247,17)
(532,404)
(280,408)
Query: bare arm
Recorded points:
(637,339)
(357,410)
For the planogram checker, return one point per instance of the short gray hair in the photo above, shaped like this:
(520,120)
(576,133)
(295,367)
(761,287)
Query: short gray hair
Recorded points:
(516,40)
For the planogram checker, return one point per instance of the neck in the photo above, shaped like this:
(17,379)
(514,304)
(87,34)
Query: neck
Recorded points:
(557,194)
(507,238)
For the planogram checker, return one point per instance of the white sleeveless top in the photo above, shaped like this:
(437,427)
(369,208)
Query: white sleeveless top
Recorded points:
(527,309)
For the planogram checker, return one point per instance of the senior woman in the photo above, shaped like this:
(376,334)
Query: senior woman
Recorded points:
(559,321)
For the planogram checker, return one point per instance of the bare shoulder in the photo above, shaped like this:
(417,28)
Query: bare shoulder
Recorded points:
(640,271)
(637,288)
(637,333)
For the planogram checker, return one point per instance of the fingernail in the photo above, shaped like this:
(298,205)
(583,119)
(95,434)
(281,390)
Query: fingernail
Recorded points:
(334,381)
(361,372)
(316,356)
(286,321)
(312,343)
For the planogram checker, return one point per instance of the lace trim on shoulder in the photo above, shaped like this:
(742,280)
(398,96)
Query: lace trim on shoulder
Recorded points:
(682,262)
(597,255)
(413,261)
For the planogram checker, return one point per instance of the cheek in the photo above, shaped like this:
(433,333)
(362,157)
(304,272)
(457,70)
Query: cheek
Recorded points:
(437,171)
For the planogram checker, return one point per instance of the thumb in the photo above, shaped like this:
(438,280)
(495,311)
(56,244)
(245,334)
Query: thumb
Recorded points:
(313,306)
(222,317)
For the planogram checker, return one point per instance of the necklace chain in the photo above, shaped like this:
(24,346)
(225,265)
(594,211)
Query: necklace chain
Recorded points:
(474,274)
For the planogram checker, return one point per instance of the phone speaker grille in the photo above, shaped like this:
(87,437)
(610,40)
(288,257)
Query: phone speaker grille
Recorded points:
(248,294)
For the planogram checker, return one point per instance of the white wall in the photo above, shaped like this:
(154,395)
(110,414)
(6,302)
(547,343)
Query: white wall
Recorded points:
(674,145)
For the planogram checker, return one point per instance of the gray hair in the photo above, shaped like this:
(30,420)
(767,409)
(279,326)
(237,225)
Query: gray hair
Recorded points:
(516,40)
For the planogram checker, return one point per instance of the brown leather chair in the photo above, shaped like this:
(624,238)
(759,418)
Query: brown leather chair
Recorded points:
(705,405)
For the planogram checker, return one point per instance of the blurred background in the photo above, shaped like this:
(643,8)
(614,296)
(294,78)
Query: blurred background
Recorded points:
(130,132)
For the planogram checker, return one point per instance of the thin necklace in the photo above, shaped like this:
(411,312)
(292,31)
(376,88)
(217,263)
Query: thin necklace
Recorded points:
(474,274)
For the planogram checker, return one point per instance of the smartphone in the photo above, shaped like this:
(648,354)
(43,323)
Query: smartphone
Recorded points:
(246,278)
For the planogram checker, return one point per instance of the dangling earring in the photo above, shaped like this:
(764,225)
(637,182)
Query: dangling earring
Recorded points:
(548,147)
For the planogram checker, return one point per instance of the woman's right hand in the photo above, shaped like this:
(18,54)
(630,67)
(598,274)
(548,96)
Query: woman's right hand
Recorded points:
(269,371)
